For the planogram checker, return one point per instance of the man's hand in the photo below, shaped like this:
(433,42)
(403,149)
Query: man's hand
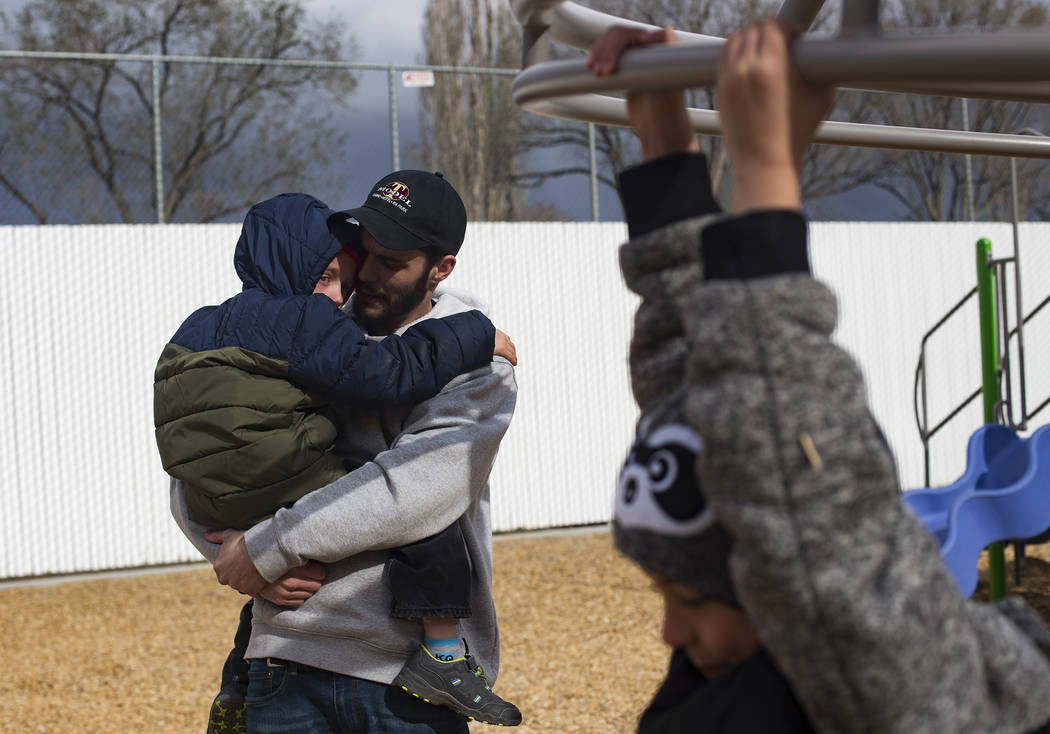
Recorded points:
(296,586)
(505,348)
(234,567)
(659,119)
(769,115)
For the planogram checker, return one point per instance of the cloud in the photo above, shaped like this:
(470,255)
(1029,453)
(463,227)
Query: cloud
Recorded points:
(385,32)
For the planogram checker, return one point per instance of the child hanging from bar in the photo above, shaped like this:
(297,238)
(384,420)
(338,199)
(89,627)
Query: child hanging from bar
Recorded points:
(760,495)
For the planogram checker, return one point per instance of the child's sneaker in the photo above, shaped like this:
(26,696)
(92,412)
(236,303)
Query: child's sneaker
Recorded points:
(228,715)
(459,684)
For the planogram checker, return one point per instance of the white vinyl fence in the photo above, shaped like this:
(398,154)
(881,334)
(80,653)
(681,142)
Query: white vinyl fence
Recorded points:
(85,311)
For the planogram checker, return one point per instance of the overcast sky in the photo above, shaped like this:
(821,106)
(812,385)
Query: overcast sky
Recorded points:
(386,32)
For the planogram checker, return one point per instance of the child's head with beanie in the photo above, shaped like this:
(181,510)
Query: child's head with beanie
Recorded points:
(663,523)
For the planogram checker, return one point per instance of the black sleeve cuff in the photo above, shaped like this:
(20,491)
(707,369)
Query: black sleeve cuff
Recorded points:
(665,191)
(755,245)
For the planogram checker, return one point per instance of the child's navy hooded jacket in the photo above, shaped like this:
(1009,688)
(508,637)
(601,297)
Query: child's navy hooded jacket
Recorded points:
(240,390)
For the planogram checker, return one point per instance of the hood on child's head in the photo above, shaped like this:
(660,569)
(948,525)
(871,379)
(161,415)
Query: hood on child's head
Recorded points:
(661,518)
(285,245)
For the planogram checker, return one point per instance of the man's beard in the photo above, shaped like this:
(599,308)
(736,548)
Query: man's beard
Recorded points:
(395,305)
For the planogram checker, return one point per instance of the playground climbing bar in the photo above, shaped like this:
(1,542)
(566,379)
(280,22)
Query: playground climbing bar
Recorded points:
(1006,64)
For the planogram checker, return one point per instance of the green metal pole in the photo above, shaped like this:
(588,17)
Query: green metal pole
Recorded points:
(990,388)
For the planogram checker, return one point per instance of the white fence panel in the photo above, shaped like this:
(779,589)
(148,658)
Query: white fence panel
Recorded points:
(85,310)
(556,289)
(894,282)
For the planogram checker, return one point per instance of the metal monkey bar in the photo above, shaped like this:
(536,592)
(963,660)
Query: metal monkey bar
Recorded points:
(1006,64)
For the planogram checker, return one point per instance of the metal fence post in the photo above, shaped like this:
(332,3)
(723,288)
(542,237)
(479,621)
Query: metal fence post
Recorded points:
(594,171)
(158,151)
(395,145)
(1018,306)
(968,160)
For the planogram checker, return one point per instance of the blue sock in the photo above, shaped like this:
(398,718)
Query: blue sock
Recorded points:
(445,650)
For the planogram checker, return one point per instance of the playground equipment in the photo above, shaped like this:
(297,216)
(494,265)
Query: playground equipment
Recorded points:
(993,449)
(1003,494)
(1008,64)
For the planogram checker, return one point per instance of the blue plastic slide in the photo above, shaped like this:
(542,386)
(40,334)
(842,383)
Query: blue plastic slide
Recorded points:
(1004,494)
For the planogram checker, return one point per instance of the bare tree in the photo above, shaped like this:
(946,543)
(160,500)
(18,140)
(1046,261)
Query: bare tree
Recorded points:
(933,186)
(231,133)
(471,127)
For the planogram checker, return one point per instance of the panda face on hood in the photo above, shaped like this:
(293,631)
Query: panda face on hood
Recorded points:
(662,519)
(658,488)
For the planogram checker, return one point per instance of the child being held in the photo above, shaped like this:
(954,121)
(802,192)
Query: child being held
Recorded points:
(245,395)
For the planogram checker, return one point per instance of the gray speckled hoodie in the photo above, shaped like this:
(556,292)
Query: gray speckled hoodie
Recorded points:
(846,590)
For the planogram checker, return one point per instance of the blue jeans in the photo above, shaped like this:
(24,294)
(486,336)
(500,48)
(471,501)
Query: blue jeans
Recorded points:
(289,698)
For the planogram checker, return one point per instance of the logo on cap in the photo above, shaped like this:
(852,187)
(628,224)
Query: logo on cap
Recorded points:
(394,192)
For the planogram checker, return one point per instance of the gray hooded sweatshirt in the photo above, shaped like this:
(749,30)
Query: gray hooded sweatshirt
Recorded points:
(846,590)
(423,467)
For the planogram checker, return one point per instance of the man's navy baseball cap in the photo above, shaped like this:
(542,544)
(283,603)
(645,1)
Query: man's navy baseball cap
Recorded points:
(411,210)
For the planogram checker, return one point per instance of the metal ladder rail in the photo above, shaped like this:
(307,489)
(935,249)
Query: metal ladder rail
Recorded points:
(1004,408)
(922,421)
(1027,416)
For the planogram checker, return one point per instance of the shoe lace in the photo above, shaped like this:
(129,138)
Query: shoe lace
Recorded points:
(475,668)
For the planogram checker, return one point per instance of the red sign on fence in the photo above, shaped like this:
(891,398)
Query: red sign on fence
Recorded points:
(417,78)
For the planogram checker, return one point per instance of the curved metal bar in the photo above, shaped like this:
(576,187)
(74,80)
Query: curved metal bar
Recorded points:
(573,25)
(613,111)
(1003,58)
(576,26)
(1010,65)
(1038,92)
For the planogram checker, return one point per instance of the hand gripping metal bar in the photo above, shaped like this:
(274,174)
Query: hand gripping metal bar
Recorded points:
(1012,64)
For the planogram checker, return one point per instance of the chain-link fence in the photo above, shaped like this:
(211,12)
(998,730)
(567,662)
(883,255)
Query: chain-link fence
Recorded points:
(102,138)
(99,138)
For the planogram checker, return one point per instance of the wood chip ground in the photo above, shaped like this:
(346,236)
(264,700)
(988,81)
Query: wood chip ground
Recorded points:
(580,628)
